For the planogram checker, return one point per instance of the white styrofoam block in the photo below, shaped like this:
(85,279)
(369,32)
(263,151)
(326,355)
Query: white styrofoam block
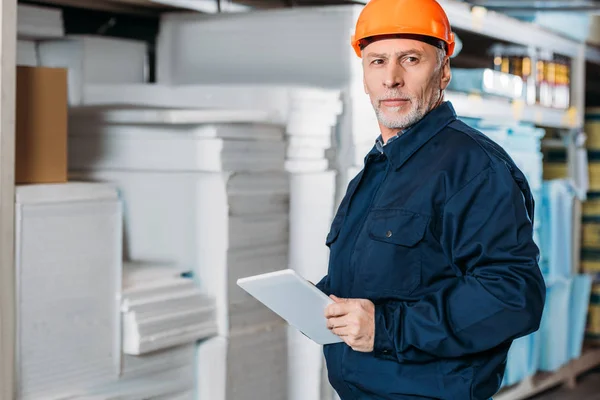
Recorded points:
(305,360)
(96,60)
(282,100)
(165,313)
(36,22)
(186,39)
(257,364)
(68,265)
(304,153)
(198,232)
(196,122)
(312,199)
(250,364)
(306,166)
(158,152)
(158,361)
(193,141)
(315,142)
(311,211)
(211,369)
(206,6)
(158,385)
(27,53)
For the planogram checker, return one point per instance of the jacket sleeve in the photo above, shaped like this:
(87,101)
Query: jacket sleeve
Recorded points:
(486,232)
(323,285)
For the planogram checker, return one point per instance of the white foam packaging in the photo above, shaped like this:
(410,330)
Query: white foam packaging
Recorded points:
(37,22)
(68,267)
(94,59)
(161,311)
(250,364)
(27,53)
(309,116)
(184,37)
(234,209)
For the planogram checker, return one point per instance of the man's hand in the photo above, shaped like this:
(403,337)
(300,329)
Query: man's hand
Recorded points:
(353,320)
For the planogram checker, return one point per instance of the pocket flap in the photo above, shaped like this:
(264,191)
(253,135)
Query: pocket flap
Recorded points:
(397,226)
(336,226)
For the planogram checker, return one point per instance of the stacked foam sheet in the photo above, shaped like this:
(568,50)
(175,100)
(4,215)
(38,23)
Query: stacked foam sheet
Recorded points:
(68,268)
(169,384)
(309,115)
(95,59)
(35,22)
(161,309)
(27,53)
(184,37)
(205,195)
(254,366)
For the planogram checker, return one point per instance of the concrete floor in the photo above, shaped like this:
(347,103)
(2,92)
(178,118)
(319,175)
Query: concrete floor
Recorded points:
(588,388)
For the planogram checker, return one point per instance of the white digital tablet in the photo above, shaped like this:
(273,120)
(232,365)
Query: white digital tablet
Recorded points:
(294,299)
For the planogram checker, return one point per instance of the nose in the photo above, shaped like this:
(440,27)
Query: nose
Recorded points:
(393,76)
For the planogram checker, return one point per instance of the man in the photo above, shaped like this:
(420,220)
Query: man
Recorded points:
(432,263)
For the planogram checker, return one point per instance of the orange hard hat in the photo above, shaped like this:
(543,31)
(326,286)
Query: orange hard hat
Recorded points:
(425,18)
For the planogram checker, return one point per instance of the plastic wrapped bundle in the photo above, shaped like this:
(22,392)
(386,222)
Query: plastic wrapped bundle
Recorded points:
(557,230)
(580,300)
(554,329)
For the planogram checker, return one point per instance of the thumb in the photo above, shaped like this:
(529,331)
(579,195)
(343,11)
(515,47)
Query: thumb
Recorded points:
(337,299)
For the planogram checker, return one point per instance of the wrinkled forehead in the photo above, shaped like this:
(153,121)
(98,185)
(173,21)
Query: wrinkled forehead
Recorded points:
(431,41)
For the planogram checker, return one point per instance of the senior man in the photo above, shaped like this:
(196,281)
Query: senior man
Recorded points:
(433,267)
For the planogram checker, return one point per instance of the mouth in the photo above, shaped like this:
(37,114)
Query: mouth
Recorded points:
(397,102)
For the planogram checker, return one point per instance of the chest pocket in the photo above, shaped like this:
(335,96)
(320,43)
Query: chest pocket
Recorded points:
(392,258)
(336,226)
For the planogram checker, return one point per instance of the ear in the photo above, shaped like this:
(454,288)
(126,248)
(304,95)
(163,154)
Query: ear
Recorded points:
(446,74)
(365,86)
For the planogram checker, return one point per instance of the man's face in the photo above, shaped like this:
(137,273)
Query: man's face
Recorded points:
(404,80)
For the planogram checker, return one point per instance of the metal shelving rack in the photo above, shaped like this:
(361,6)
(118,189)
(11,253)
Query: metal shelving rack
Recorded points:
(476,20)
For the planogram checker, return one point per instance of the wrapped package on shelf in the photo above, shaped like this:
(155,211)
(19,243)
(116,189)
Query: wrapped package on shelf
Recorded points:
(590,248)
(556,242)
(554,328)
(579,304)
(594,169)
(95,60)
(592,127)
(485,81)
(39,23)
(555,165)
(68,268)
(592,330)
(523,358)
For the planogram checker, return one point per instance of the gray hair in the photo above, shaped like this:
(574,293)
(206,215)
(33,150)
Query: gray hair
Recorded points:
(441,56)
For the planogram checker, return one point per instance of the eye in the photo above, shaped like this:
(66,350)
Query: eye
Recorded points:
(411,60)
(377,61)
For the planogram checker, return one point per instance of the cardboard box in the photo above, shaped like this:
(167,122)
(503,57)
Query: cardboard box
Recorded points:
(41,125)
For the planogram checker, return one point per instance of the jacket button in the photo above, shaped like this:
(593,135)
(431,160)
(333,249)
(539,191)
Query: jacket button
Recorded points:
(386,352)
(388,234)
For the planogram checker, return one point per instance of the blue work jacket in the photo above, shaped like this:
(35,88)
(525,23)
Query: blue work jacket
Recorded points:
(437,231)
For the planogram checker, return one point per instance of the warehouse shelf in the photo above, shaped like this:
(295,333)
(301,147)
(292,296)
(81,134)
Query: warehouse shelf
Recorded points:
(476,106)
(503,27)
(541,382)
(592,54)
(135,7)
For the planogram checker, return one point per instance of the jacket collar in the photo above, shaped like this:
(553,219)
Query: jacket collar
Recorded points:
(409,141)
